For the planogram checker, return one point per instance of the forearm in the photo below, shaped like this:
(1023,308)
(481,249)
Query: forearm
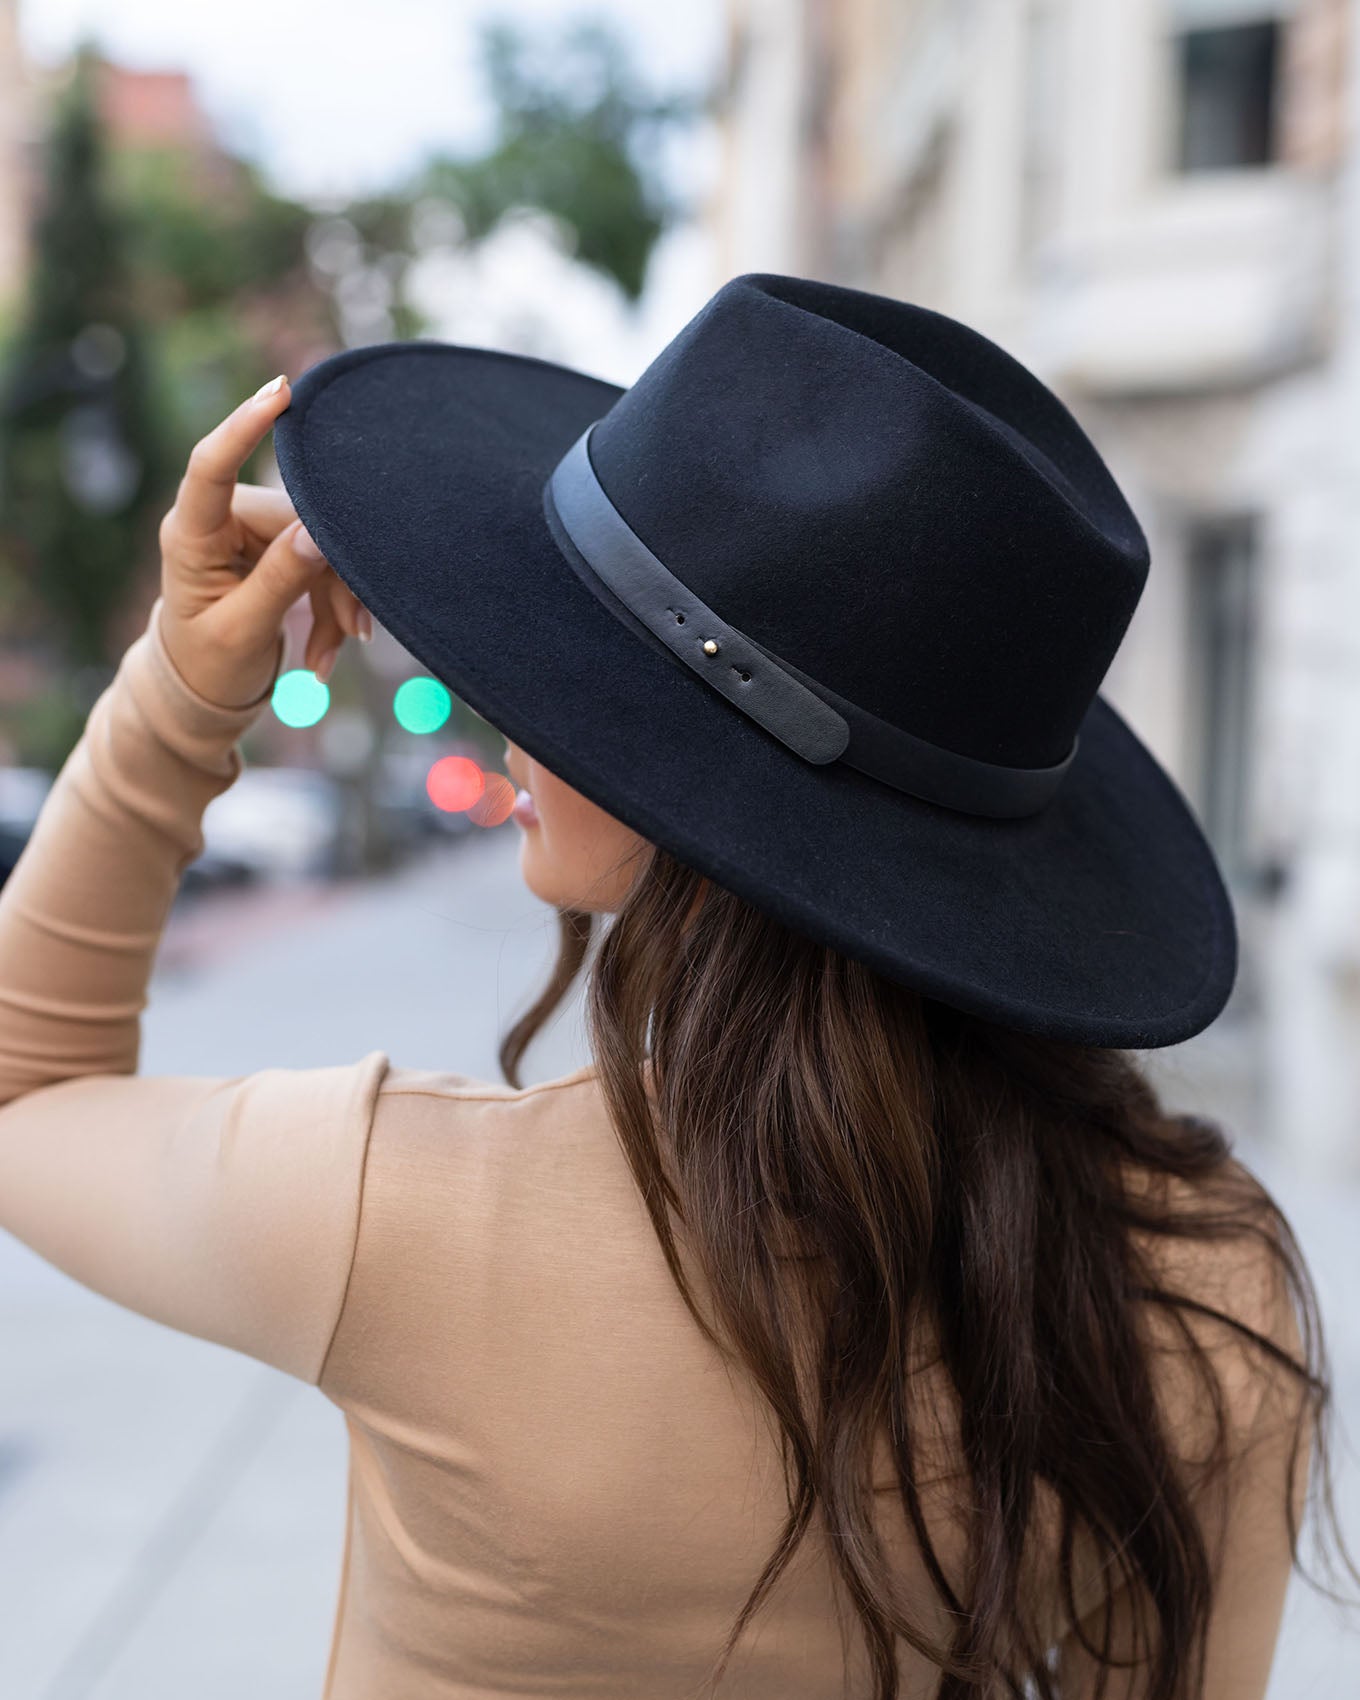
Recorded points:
(82,913)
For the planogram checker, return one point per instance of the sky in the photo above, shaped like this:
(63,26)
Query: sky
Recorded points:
(337,98)
(333,100)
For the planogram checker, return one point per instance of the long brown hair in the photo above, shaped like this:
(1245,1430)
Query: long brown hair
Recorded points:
(937,1176)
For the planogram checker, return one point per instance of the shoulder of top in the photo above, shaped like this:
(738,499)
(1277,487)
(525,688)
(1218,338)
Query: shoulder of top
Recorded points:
(1240,1268)
(403,1082)
(1220,1285)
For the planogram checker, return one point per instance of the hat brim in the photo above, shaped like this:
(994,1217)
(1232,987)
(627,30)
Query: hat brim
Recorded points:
(419,466)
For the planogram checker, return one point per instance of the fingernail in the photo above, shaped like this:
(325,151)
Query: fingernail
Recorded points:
(271,388)
(305,545)
(365,626)
(325,663)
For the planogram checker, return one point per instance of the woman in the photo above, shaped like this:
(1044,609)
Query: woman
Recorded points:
(856,1321)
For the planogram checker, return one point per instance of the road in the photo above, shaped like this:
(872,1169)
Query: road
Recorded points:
(170,1511)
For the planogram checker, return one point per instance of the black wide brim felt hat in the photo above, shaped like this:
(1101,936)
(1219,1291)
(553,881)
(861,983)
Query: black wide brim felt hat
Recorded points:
(820,491)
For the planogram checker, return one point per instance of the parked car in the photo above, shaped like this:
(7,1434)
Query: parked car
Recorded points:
(409,816)
(11,845)
(213,870)
(283,822)
(22,792)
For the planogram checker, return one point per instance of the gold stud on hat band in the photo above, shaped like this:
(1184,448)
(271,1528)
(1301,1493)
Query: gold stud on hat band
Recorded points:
(803,713)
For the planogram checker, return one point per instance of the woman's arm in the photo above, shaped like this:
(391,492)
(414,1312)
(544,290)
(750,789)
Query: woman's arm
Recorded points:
(82,913)
(223,1206)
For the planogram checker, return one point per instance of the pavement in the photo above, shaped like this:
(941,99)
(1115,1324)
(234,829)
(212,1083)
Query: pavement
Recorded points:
(171,1512)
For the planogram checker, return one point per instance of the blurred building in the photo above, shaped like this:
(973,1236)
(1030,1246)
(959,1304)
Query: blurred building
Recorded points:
(138,108)
(15,154)
(1156,205)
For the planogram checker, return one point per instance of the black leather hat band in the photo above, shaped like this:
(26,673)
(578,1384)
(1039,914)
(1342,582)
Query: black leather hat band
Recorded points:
(804,714)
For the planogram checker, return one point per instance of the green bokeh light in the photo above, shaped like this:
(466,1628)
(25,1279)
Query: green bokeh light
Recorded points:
(300,699)
(422,705)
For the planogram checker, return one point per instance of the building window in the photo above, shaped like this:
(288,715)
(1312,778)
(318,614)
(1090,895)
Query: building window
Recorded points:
(1223,567)
(1228,89)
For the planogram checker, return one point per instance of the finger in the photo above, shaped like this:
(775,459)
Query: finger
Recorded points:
(204,500)
(272,586)
(345,604)
(262,511)
(327,632)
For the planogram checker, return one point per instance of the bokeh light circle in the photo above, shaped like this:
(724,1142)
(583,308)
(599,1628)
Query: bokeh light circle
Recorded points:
(493,807)
(300,698)
(455,783)
(421,705)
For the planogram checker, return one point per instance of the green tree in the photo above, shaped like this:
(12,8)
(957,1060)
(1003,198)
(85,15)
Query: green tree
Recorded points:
(577,135)
(168,281)
(81,451)
(222,278)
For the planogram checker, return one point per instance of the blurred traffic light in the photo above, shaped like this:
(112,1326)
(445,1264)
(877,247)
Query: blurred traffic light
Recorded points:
(300,699)
(421,705)
(454,783)
(493,807)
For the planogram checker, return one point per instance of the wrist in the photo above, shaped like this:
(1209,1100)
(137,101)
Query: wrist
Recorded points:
(211,704)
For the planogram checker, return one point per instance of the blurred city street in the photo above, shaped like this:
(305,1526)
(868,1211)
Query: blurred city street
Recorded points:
(156,1492)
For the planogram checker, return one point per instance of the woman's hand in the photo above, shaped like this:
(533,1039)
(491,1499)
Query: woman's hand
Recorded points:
(231,568)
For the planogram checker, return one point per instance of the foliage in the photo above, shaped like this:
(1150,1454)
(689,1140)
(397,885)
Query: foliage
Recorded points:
(223,277)
(81,450)
(168,281)
(200,243)
(577,137)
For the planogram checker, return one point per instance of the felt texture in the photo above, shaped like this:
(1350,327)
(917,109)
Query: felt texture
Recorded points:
(579,513)
(895,504)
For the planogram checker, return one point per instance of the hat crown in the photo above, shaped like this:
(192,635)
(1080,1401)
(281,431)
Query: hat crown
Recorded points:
(886,499)
(902,570)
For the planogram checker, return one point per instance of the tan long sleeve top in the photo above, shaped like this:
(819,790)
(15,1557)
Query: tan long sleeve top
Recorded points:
(556,1486)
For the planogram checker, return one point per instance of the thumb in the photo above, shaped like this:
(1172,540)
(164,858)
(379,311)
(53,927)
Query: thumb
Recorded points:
(274,583)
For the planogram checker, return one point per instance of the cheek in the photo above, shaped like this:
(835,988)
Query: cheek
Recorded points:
(572,856)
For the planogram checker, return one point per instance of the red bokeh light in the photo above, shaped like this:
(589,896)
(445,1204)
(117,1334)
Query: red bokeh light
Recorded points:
(454,783)
(493,807)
